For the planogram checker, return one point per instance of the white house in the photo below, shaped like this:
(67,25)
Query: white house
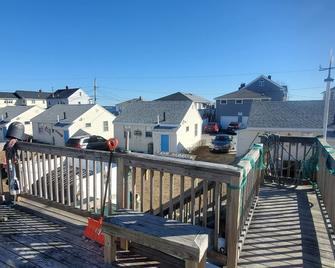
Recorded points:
(7,99)
(159,126)
(68,96)
(199,102)
(60,122)
(22,114)
(32,98)
(289,118)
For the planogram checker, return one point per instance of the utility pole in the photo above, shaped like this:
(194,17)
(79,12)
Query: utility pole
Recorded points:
(95,91)
(328,81)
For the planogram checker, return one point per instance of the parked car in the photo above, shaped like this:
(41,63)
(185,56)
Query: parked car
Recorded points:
(221,143)
(87,142)
(234,126)
(212,127)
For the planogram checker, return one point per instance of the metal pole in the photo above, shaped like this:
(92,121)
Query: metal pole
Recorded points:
(328,80)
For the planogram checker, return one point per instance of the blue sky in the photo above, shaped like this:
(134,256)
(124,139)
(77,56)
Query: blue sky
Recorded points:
(151,48)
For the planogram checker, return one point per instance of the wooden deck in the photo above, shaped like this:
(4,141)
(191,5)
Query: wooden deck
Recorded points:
(288,230)
(30,240)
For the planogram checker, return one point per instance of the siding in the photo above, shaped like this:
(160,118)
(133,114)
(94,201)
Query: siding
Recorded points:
(269,89)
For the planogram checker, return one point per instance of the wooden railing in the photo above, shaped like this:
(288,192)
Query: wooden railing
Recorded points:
(216,196)
(326,178)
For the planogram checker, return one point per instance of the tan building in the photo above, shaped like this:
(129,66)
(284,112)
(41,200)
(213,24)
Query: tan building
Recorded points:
(22,114)
(159,126)
(61,121)
(32,98)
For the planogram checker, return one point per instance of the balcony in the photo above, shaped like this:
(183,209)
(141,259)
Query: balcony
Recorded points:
(240,204)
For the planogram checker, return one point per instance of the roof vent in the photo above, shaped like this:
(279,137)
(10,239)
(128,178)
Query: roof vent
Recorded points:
(67,87)
(6,115)
(269,77)
(163,116)
(40,90)
(64,115)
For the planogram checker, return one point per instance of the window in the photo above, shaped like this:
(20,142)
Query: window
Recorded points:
(138,132)
(88,125)
(238,101)
(261,83)
(196,130)
(105,125)
(40,128)
(223,101)
(27,122)
(43,101)
(148,134)
(33,101)
(79,102)
(79,93)
(187,129)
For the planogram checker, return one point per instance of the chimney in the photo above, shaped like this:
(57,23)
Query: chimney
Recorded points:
(40,90)
(6,115)
(242,86)
(157,119)
(269,77)
(64,115)
(67,87)
(163,116)
(57,118)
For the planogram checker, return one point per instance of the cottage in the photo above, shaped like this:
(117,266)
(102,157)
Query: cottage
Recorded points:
(289,118)
(60,122)
(119,107)
(7,99)
(32,98)
(159,126)
(22,114)
(235,106)
(199,102)
(68,96)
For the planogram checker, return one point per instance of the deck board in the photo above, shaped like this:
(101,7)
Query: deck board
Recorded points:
(31,240)
(287,230)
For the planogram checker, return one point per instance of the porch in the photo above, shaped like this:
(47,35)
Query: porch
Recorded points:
(63,182)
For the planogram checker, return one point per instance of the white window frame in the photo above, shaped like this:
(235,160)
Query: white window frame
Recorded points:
(105,126)
(224,102)
(238,101)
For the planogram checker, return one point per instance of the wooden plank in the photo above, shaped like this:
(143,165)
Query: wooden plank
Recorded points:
(25,178)
(87,185)
(102,184)
(171,196)
(34,174)
(44,176)
(94,186)
(181,199)
(120,184)
(133,178)
(81,186)
(56,178)
(74,172)
(110,208)
(217,209)
(192,204)
(151,175)
(62,185)
(161,193)
(205,202)
(68,184)
(143,171)
(110,249)
(51,195)
(30,181)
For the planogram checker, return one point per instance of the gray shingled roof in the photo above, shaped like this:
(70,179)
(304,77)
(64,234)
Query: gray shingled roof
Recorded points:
(146,112)
(243,94)
(7,95)
(179,96)
(24,94)
(62,93)
(289,114)
(12,112)
(72,112)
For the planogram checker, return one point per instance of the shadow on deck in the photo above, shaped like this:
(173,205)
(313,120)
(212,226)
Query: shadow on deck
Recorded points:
(288,229)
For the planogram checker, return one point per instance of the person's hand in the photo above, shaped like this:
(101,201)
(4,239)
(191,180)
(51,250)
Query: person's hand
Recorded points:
(11,143)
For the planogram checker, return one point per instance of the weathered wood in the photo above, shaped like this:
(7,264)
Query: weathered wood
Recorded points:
(205,202)
(39,175)
(172,237)
(143,172)
(120,184)
(181,198)
(45,188)
(192,201)
(102,185)
(51,195)
(56,178)
(81,186)
(68,190)
(133,179)
(74,172)
(62,185)
(25,179)
(94,186)
(151,181)
(109,249)
(34,174)
(217,208)
(87,185)
(161,193)
(171,196)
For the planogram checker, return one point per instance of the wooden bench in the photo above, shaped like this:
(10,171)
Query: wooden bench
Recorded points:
(181,240)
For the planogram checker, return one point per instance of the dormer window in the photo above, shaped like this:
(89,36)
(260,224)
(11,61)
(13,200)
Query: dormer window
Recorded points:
(261,83)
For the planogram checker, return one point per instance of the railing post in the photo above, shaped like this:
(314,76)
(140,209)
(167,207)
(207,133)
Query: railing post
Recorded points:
(120,178)
(233,221)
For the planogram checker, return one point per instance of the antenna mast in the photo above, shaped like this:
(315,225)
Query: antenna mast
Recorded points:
(328,81)
(95,91)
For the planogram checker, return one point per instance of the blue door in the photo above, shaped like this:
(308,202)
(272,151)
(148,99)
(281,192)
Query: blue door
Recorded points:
(66,135)
(164,143)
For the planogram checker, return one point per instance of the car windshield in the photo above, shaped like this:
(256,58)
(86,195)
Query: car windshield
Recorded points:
(222,138)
